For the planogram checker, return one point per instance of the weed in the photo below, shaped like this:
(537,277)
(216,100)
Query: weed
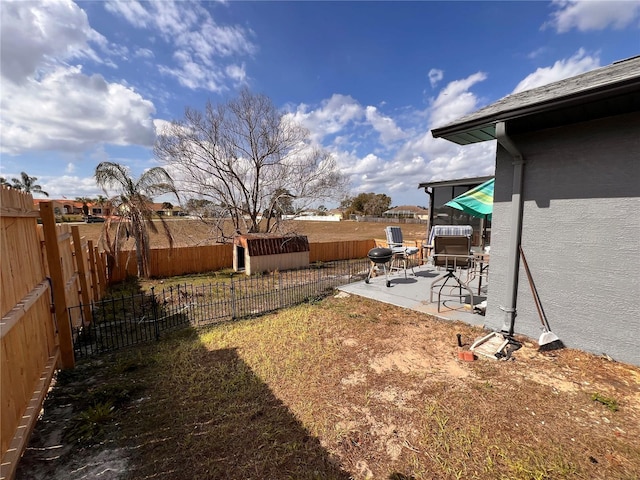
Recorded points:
(610,403)
(89,425)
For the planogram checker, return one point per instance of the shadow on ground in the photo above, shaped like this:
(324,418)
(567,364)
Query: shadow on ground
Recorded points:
(182,411)
(214,418)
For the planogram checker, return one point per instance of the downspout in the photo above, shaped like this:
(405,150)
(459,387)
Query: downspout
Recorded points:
(516,227)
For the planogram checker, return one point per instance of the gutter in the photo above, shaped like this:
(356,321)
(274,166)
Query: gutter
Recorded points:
(516,227)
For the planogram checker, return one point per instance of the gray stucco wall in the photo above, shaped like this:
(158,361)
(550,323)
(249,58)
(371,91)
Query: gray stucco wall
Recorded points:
(581,235)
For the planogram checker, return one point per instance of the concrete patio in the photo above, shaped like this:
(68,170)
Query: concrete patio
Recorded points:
(412,292)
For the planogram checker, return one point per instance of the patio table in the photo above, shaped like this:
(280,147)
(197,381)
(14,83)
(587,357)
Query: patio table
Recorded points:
(480,267)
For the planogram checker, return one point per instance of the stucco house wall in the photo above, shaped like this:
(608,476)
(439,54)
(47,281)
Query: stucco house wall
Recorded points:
(580,235)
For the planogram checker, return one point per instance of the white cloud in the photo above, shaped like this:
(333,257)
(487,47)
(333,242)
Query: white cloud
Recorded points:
(47,104)
(342,113)
(132,11)
(331,117)
(385,126)
(565,68)
(237,73)
(36,35)
(435,77)
(379,156)
(536,53)
(70,168)
(202,48)
(75,112)
(455,100)
(143,53)
(593,15)
(70,186)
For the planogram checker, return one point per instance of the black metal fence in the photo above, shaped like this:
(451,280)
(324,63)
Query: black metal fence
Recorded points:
(122,321)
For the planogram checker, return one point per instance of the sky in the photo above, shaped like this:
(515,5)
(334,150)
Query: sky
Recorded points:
(86,82)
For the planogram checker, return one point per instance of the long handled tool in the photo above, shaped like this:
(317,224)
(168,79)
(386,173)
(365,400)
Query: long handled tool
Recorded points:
(548,340)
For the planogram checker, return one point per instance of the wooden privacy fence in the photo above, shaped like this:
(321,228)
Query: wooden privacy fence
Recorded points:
(344,250)
(42,272)
(165,262)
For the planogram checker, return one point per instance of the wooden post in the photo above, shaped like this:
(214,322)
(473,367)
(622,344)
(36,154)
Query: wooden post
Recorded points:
(81,265)
(57,279)
(92,268)
(102,276)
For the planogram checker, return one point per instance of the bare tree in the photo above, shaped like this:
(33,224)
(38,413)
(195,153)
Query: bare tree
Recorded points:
(244,156)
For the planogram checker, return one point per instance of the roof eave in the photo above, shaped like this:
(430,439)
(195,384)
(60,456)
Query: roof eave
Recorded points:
(483,128)
(456,182)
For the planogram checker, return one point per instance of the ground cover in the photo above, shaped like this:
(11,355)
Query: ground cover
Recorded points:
(188,232)
(340,388)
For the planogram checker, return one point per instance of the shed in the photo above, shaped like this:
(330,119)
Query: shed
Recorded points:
(567,190)
(257,253)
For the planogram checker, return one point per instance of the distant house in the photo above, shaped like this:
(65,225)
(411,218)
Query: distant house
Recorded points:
(71,207)
(567,190)
(407,211)
(164,210)
(100,209)
(59,206)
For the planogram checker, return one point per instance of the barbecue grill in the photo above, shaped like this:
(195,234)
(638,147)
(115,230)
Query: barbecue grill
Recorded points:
(379,257)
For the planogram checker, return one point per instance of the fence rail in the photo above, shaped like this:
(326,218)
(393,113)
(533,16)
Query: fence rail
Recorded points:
(130,320)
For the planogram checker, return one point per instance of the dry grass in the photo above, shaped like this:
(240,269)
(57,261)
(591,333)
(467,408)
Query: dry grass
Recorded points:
(192,232)
(350,388)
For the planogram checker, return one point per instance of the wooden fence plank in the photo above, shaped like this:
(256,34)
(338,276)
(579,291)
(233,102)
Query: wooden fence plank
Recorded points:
(28,420)
(81,265)
(94,272)
(57,278)
(102,276)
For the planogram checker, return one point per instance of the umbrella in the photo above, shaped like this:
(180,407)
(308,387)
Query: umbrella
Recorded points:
(477,202)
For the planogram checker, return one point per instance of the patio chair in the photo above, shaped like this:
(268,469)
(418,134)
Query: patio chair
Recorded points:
(401,253)
(442,230)
(453,252)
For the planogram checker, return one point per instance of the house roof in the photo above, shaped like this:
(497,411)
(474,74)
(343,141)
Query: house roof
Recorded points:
(614,89)
(407,209)
(160,206)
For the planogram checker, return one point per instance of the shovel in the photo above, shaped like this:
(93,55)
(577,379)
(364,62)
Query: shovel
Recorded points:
(548,340)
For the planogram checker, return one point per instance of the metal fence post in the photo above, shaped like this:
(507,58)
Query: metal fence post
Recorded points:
(154,308)
(232,291)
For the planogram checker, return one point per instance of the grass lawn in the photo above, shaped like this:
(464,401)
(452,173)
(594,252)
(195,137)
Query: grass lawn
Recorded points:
(337,389)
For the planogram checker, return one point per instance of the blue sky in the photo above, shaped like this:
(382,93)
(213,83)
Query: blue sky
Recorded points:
(86,82)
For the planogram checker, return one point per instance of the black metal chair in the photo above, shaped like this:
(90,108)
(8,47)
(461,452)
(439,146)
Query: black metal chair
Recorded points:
(453,253)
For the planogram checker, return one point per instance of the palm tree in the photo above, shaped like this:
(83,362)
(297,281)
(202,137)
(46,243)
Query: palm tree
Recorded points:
(4,182)
(28,184)
(85,201)
(133,205)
